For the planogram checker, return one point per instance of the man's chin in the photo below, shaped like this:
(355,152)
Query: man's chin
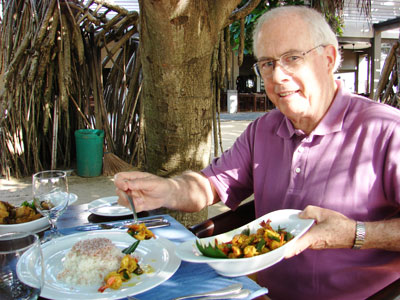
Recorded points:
(293,110)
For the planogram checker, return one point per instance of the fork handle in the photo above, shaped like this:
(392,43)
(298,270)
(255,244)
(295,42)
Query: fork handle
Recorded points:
(135,218)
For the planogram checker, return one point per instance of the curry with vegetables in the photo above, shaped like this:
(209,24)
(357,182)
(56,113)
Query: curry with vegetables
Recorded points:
(248,245)
(9,214)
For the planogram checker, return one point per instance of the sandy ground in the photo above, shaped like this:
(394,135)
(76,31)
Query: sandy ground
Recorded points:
(88,189)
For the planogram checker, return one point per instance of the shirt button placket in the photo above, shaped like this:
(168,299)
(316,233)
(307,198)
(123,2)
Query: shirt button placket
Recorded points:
(300,150)
(298,163)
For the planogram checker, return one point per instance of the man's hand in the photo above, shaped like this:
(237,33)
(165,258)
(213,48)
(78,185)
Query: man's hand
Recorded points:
(189,192)
(148,191)
(330,230)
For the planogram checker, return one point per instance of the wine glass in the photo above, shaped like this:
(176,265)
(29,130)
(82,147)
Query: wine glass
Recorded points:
(50,197)
(20,277)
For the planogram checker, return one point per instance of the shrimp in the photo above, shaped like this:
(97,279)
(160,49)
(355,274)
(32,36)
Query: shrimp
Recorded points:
(113,281)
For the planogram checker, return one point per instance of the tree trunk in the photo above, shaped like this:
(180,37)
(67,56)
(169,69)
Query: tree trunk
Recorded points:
(177,89)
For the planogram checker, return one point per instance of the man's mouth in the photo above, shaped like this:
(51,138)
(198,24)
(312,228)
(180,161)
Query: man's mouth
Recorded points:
(284,94)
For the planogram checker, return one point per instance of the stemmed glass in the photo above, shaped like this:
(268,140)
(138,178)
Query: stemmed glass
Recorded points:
(50,197)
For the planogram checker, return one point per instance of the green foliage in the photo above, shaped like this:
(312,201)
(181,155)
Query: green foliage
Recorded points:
(335,21)
(250,22)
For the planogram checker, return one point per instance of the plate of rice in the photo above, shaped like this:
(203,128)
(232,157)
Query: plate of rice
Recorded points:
(75,265)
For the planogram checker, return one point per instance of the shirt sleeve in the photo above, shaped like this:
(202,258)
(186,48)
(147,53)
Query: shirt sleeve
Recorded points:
(391,172)
(232,172)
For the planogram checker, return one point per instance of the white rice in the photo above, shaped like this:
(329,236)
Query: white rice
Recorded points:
(89,261)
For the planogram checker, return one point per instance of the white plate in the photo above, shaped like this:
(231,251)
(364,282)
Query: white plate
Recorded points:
(286,218)
(156,253)
(72,198)
(103,207)
(32,226)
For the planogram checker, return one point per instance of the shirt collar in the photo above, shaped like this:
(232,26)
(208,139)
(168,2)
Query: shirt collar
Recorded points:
(330,123)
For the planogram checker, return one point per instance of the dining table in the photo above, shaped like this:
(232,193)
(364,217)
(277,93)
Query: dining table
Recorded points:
(190,278)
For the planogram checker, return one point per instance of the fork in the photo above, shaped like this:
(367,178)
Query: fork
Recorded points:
(135,218)
(234,289)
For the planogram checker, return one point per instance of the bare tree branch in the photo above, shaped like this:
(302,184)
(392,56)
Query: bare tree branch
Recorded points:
(240,13)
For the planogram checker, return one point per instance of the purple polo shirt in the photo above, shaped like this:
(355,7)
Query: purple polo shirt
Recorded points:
(349,164)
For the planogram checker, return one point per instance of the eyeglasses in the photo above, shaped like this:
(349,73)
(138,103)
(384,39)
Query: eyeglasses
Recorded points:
(290,61)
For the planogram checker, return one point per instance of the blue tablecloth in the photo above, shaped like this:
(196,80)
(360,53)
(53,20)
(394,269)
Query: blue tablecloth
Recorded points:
(190,278)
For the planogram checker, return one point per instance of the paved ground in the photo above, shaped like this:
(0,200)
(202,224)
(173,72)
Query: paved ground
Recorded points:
(89,189)
(241,116)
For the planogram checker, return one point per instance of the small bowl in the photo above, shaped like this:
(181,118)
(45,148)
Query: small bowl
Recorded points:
(286,218)
(32,226)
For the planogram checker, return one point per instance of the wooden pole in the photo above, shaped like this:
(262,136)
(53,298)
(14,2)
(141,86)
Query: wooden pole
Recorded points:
(55,135)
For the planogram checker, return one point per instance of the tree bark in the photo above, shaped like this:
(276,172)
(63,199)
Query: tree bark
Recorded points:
(177,40)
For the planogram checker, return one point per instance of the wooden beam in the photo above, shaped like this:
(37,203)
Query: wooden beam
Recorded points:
(387,25)
(376,62)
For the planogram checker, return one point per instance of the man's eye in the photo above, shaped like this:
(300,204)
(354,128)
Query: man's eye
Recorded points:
(267,64)
(292,58)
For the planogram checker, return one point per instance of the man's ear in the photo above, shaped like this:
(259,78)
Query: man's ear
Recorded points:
(331,55)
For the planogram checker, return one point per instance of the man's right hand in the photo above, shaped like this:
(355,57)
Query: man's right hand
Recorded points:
(148,191)
(189,192)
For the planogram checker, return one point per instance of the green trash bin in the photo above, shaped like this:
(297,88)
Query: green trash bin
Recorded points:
(89,152)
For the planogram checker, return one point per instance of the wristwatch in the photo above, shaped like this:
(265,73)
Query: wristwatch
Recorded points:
(360,235)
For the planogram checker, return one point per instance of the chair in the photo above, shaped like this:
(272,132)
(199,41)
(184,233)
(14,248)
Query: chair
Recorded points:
(225,222)
(246,213)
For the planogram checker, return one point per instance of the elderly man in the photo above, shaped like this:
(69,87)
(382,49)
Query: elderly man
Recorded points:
(332,154)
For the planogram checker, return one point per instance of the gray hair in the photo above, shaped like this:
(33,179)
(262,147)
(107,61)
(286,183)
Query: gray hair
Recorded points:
(322,33)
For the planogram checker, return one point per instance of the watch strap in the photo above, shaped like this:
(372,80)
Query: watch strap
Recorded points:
(360,235)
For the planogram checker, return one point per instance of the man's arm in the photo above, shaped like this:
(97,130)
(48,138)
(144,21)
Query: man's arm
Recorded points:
(189,192)
(193,192)
(383,235)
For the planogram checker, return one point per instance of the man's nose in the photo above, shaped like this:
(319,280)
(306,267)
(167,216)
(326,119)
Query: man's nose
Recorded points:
(279,73)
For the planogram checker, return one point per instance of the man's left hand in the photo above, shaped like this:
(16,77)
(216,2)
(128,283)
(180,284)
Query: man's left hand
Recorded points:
(330,230)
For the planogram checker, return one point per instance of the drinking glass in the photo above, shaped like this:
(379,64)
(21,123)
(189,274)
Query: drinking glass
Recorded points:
(13,285)
(50,197)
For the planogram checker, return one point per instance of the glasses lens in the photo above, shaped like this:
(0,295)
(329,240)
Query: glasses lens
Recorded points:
(292,61)
(264,68)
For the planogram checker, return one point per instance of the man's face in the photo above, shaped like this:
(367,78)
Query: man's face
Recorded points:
(301,95)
